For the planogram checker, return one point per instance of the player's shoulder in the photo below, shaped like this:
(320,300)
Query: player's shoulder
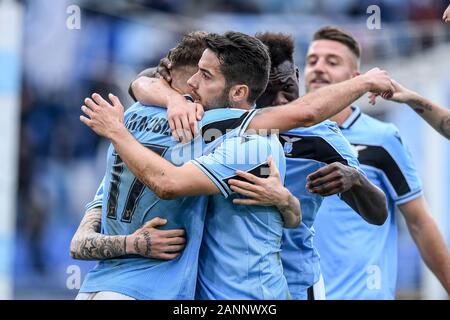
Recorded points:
(327,131)
(225,119)
(376,124)
(221,114)
(249,143)
(376,131)
(137,106)
(250,138)
(325,127)
(386,131)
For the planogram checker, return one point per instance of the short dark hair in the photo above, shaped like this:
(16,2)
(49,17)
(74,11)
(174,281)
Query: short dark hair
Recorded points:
(243,59)
(280,46)
(189,50)
(339,35)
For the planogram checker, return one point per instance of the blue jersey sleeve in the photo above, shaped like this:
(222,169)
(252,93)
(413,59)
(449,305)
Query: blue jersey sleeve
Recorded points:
(398,170)
(98,198)
(246,153)
(222,123)
(343,151)
(323,143)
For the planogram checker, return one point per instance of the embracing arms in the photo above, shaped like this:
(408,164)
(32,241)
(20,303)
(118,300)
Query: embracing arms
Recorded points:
(89,244)
(306,111)
(165,179)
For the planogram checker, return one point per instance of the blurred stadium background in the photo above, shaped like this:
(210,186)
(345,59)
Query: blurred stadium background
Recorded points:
(52,164)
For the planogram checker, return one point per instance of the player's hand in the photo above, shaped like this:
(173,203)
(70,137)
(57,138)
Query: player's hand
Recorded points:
(183,116)
(331,179)
(260,191)
(378,81)
(400,94)
(150,242)
(446,15)
(164,69)
(102,116)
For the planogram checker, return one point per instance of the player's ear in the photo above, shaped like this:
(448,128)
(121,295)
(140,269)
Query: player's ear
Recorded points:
(355,73)
(239,93)
(297,73)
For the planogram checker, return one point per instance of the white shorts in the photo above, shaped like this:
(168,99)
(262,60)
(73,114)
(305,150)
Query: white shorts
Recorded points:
(317,291)
(102,295)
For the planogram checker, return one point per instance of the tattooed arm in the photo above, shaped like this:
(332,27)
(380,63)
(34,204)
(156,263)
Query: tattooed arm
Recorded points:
(436,116)
(89,244)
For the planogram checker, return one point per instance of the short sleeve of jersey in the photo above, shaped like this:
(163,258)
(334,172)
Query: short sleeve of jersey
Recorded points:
(98,198)
(399,172)
(323,142)
(343,151)
(246,153)
(220,123)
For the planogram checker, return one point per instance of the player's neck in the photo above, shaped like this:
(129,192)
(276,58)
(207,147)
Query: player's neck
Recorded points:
(241,105)
(342,116)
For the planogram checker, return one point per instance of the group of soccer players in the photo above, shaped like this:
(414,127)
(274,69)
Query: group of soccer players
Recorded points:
(226,203)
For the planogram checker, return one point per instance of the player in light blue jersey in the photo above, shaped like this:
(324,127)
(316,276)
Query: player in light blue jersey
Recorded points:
(174,279)
(359,261)
(240,253)
(168,181)
(244,152)
(127,205)
(319,150)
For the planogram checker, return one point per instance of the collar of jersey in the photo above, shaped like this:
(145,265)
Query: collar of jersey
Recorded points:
(356,113)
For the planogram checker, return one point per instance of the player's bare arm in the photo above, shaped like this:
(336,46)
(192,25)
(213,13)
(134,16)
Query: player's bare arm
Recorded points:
(306,111)
(149,242)
(268,192)
(88,243)
(428,239)
(136,88)
(357,191)
(161,176)
(319,105)
(181,114)
(438,117)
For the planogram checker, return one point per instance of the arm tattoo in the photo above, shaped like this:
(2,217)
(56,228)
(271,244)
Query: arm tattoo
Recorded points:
(422,107)
(148,244)
(260,112)
(89,244)
(445,127)
(136,245)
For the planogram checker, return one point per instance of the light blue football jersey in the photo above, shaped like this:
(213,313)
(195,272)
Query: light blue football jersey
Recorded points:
(240,252)
(307,150)
(359,260)
(127,204)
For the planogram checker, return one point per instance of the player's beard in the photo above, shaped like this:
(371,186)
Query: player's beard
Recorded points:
(222,101)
